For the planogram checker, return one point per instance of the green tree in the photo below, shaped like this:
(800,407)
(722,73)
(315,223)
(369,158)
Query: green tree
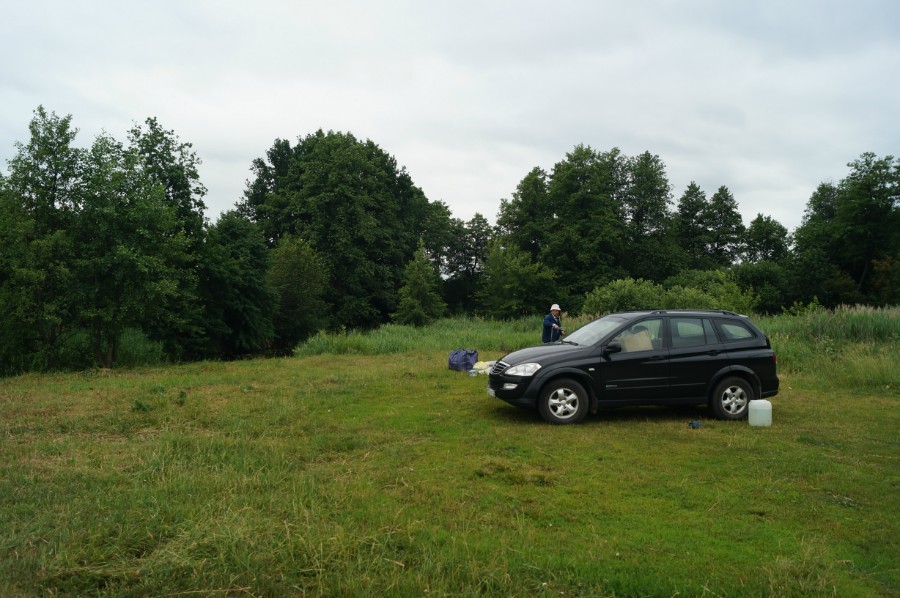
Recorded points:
(868,216)
(267,198)
(848,241)
(586,225)
(514,286)
(464,264)
(885,286)
(440,234)
(812,270)
(420,298)
(239,303)
(597,217)
(692,231)
(814,277)
(174,166)
(652,251)
(356,208)
(525,219)
(298,278)
(725,229)
(17,349)
(767,280)
(127,245)
(470,246)
(766,240)
(40,197)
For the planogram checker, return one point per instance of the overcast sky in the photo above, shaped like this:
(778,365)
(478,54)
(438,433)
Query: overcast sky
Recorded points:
(769,98)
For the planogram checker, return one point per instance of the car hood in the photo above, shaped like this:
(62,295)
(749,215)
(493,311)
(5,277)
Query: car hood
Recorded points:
(543,354)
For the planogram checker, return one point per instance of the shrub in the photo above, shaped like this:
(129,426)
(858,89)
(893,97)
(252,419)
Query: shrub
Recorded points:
(702,290)
(623,295)
(719,291)
(680,297)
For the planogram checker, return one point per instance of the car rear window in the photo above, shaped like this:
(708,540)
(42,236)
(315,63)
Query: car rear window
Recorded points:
(735,331)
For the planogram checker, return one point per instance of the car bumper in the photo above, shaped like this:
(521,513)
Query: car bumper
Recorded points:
(512,390)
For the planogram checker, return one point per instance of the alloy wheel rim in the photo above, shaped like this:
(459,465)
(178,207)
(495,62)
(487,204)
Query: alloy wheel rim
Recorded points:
(563,403)
(734,400)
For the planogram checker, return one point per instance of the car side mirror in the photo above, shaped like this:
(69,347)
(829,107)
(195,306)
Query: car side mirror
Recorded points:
(613,347)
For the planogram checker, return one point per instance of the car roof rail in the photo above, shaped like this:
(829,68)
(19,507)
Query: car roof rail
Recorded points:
(696,311)
(725,312)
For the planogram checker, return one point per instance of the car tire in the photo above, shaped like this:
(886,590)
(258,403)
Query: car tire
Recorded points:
(563,401)
(731,399)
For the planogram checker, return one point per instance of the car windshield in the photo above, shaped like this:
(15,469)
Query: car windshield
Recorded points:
(593,331)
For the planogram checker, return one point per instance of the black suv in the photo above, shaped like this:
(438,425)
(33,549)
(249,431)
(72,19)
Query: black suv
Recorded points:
(665,357)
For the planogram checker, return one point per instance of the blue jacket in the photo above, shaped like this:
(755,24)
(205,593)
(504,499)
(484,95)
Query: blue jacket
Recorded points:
(551,333)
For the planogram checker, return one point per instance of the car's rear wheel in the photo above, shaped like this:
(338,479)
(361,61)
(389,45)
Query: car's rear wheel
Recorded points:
(563,401)
(731,399)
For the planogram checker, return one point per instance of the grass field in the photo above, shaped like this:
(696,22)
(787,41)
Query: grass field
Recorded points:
(381,472)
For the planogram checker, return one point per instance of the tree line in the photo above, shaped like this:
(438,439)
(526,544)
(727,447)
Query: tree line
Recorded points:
(111,241)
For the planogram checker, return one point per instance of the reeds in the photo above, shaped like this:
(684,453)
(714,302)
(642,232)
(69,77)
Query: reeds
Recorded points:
(853,323)
(848,347)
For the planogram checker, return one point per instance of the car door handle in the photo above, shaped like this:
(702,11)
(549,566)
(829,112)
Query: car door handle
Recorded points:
(656,357)
(713,352)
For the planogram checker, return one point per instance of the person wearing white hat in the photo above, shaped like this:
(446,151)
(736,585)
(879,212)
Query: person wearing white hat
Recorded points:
(552,325)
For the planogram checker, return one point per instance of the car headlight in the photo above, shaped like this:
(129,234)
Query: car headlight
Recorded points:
(523,369)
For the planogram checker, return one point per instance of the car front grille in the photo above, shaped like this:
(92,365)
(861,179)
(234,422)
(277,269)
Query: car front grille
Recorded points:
(499,367)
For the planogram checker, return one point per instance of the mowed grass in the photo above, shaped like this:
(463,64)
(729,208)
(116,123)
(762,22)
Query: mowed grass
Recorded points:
(361,474)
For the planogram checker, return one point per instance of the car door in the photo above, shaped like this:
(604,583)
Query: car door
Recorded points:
(695,355)
(640,371)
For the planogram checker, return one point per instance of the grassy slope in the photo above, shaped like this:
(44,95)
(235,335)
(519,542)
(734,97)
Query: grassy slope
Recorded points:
(359,474)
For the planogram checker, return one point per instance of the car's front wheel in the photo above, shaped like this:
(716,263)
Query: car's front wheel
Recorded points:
(731,399)
(563,401)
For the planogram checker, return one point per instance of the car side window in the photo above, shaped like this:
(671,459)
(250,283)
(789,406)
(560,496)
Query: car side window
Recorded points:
(735,331)
(645,335)
(691,332)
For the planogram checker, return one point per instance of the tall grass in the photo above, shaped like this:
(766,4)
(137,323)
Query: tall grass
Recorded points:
(855,324)
(857,347)
(447,334)
(494,336)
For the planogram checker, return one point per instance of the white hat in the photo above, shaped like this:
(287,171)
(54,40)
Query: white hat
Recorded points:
(554,306)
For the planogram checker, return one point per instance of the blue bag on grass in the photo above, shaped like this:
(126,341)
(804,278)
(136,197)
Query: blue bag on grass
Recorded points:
(463,359)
